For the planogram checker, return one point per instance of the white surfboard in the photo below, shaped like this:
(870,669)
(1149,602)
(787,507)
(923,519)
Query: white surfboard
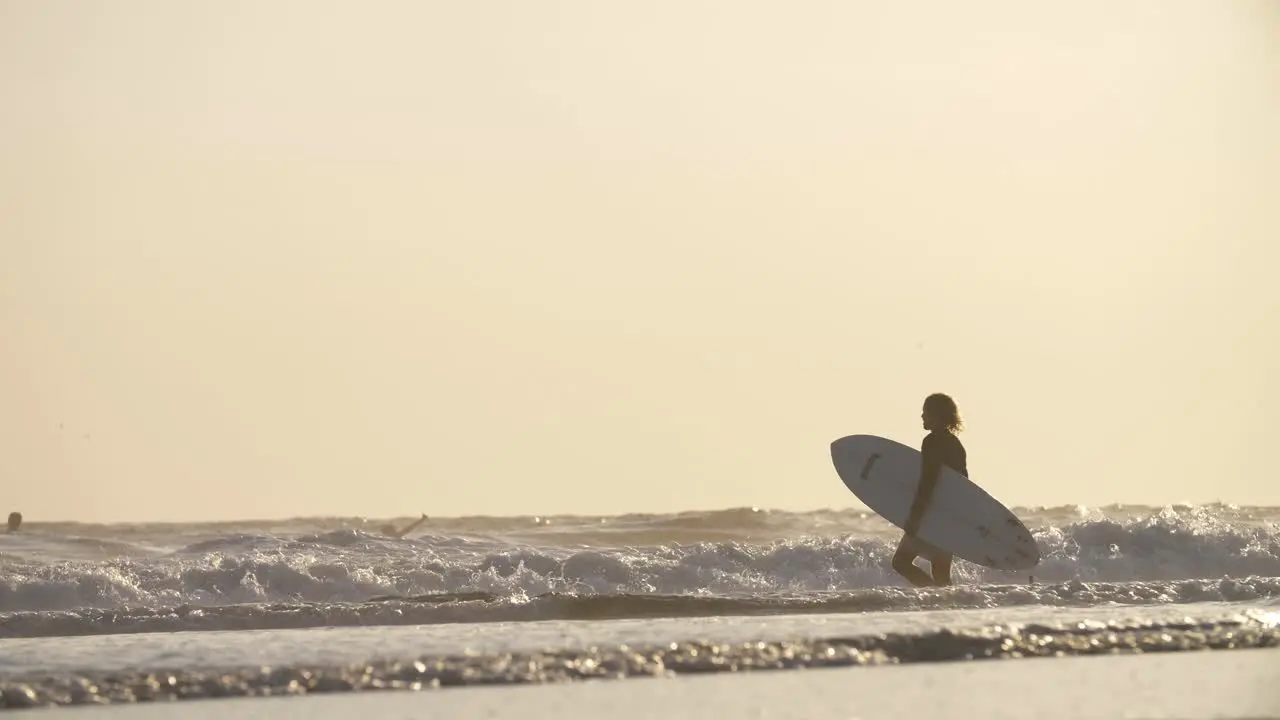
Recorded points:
(961,518)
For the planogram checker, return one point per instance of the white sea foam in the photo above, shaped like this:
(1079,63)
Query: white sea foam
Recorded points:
(90,579)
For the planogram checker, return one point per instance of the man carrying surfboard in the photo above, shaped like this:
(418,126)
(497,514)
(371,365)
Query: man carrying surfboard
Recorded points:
(928,494)
(940,447)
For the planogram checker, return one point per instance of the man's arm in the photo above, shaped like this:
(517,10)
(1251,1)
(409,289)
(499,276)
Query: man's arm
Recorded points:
(929,468)
(413,526)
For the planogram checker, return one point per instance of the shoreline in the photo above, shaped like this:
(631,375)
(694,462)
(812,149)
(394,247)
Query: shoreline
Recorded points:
(573,666)
(1237,684)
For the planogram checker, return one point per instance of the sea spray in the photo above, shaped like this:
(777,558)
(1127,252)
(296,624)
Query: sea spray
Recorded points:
(76,579)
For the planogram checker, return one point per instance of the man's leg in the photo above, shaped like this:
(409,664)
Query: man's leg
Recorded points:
(904,563)
(940,567)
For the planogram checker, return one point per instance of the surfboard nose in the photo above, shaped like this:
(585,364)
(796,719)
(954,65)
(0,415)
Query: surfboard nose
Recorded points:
(845,446)
(844,452)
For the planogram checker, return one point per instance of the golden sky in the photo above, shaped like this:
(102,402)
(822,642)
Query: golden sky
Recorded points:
(266,259)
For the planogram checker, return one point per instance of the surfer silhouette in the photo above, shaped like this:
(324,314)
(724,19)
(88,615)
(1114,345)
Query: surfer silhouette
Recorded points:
(391,531)
(940,447)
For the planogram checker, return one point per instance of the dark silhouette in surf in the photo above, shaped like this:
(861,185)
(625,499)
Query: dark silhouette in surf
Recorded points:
(941,417)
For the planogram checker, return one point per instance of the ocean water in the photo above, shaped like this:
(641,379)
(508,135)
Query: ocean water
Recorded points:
(94,613)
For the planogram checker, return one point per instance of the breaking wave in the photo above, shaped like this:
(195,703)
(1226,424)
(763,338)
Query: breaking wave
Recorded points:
(312,573)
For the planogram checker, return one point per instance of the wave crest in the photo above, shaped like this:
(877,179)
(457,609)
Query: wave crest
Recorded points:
(346,565)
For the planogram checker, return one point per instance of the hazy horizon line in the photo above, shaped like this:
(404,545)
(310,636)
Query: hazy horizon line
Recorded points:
(606,515)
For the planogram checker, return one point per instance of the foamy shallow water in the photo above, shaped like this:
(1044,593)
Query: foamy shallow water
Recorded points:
(338,646)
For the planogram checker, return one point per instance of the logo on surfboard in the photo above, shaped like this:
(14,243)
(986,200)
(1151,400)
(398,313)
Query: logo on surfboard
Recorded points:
(866,467)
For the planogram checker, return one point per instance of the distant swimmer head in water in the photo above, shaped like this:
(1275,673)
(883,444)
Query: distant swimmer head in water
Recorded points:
(15,521)
(940,413)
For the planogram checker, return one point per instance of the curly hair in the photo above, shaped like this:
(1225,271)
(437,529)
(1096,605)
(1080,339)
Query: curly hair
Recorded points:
(941,405)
